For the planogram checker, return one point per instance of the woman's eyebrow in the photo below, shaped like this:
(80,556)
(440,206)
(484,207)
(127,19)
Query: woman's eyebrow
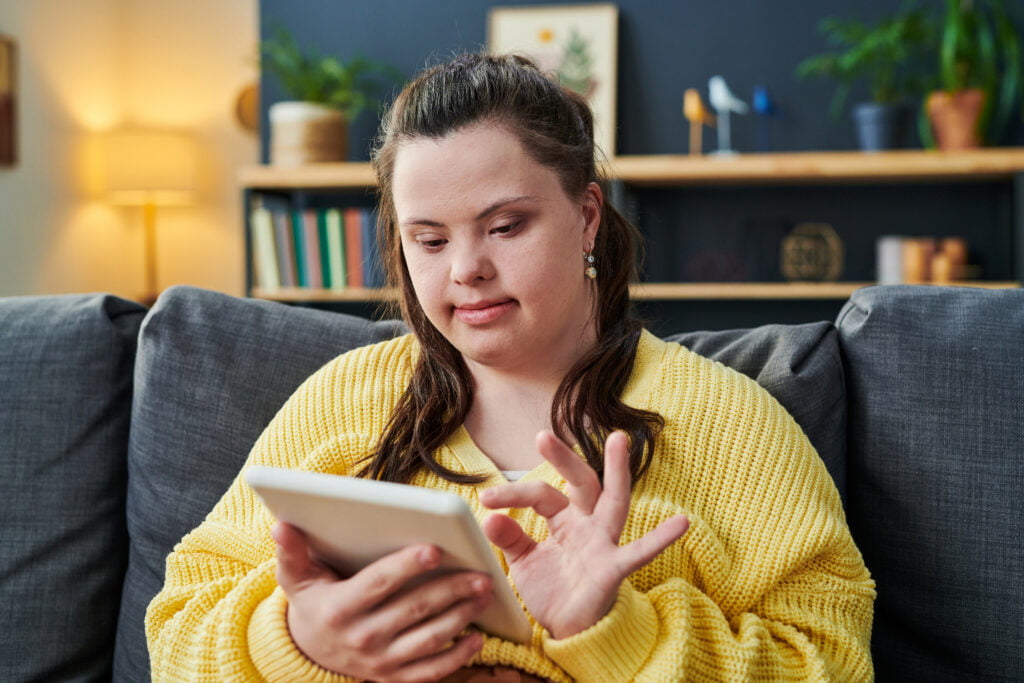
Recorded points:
(483,214)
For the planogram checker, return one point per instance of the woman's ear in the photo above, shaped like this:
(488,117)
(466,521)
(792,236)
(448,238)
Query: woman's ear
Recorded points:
(593,208)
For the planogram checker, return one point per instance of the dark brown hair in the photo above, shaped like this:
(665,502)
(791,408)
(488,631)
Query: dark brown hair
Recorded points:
(556,128)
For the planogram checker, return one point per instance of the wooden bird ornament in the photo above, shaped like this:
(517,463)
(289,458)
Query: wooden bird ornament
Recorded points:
(699,116)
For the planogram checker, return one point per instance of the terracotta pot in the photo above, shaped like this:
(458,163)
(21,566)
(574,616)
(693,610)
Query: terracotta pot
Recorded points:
(306,133)
(954,118)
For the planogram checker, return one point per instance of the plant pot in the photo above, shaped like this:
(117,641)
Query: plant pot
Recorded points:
(306,133)
(880,126)
(954,117)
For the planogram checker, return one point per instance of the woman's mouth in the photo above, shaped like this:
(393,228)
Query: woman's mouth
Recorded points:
(482,312)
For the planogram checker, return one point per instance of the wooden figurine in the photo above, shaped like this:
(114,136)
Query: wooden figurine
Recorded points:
(699,116)
(724,102)
(764,107)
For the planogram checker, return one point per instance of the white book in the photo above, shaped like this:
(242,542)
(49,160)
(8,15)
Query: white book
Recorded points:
(263,249)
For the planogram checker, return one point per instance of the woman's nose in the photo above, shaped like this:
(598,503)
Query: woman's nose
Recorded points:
(470,263)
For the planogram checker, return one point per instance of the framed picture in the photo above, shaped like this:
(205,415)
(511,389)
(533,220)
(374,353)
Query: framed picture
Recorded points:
(578,43)
(7,102)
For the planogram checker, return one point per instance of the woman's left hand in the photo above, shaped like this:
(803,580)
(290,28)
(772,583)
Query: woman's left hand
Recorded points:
(571,580)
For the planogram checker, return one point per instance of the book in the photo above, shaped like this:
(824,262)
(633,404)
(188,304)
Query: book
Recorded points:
(301,270)
(264,252)
(284,243)
(336,248)
(354,246)
(325,263)
(311,249)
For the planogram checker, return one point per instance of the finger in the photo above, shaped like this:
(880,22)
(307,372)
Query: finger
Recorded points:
(546,500)
(644,549)
(295,564)
(613,506)
(584,486)
(425,602)
(430,637)
(442,664)
(380,580)
(508,536)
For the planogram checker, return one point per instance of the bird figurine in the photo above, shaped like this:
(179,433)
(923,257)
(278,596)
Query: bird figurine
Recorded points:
(699,116)
(724,102)
(764,107)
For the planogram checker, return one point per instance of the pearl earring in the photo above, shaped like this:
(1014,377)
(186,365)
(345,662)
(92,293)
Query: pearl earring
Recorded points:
(591,271)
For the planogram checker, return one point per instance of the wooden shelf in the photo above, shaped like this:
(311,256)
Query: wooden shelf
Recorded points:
(315,176)
(307,294)
(680,170)
(821,167)
(651,291)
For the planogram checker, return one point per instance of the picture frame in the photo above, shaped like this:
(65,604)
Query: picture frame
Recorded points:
(8,93)
(576,43)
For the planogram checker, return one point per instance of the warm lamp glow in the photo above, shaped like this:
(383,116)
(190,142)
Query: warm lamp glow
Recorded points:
(149,167)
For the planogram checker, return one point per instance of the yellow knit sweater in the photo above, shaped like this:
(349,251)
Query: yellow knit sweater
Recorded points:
(766,585)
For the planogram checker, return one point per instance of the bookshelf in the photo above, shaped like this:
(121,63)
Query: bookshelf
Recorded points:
(677,171)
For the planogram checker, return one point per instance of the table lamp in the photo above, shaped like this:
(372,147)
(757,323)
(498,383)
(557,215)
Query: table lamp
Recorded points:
(149,168)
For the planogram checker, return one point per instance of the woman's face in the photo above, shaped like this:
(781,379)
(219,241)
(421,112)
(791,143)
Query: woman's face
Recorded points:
(495,249)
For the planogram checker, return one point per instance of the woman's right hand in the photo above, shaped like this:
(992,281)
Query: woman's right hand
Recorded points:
(371,626)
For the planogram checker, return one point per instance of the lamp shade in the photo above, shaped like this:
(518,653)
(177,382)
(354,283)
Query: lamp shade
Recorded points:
(149,167)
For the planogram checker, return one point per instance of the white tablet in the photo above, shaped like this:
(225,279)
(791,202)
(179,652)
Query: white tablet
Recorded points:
(352,522)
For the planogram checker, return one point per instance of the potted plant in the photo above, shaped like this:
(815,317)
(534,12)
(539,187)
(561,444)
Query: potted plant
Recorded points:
(328,94)
(980,70)
(885,56)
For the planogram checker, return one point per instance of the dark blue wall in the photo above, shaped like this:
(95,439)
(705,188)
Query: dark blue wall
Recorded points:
(665,46)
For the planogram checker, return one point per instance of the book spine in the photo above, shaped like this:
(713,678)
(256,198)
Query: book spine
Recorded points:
(264,252)
(354,246)
(336,248)
(311,241)
(325,251)
(301,269)
(285,249)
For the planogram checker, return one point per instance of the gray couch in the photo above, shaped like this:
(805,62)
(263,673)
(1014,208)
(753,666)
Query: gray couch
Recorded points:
(120,428)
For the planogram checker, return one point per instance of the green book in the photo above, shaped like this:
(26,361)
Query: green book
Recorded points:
(325,257)
(335,248)
(301,260)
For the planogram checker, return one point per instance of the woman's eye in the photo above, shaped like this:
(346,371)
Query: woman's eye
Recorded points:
(432,245)
(505,229)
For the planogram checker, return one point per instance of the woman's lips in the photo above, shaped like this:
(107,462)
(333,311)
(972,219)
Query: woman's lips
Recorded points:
(483,312)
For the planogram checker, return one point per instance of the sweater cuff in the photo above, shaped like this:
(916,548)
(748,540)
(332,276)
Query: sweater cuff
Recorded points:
(274,654)
(616,647)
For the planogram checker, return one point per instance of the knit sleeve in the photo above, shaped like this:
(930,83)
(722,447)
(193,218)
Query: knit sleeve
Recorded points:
(767,584)
(220,615)
(812,627)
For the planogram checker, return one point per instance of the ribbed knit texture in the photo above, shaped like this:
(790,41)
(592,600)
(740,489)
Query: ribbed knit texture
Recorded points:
(766,585)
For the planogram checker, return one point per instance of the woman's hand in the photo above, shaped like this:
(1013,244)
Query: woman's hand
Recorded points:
(373,625)
(570,580)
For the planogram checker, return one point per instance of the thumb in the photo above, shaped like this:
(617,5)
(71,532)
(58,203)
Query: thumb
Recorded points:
(295,563)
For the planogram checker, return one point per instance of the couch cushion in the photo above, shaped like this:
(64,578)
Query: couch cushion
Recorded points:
(212,371)
(66,373)
(935,377)
(800,366)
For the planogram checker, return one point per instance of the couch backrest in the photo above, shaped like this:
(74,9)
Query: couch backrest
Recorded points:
(66,378)
(935,378)
(211,372)
(213,369)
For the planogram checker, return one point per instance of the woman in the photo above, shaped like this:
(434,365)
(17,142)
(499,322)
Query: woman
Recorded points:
(514,276)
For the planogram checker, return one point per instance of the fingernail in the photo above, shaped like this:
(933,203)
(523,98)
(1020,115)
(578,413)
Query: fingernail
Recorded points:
(479,585)
(427,556)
